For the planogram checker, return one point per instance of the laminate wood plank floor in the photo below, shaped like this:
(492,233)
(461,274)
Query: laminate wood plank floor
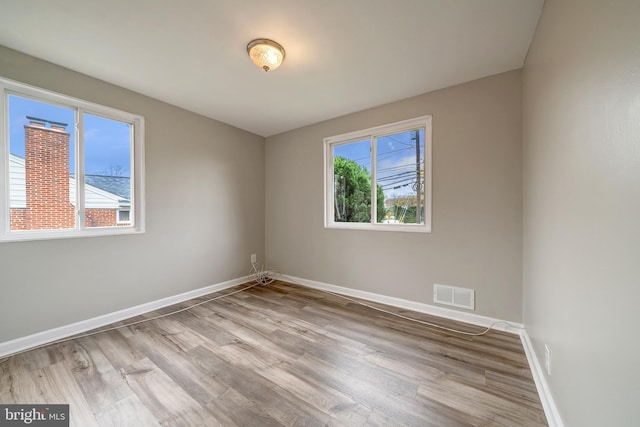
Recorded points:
(281,355)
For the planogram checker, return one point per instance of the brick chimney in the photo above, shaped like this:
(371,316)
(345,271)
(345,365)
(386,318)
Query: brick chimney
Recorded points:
(47,176)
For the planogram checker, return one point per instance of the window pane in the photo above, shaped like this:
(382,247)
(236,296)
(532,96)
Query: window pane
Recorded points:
(107,165)
(400,177)
(352,182)
(123,216)
(41,163)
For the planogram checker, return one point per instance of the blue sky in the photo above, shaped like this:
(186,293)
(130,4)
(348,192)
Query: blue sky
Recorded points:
(107,142)
(396,160)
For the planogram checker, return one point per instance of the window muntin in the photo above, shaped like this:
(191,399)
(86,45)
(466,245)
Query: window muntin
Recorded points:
(69,167)
(380,178)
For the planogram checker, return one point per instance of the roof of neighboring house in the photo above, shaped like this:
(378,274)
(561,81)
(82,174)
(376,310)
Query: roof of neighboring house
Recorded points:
(118,185)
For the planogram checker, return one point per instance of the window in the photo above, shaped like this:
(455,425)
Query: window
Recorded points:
(380,178)
(123,216)
(68,167)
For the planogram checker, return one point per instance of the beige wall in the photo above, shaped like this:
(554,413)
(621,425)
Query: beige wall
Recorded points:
(205,216)
(582,206)
(477,207)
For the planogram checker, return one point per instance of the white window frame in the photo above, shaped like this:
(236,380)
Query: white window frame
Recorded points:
(373,134)
(10,87)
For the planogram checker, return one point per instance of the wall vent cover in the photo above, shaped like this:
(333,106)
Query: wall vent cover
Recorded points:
(457,297)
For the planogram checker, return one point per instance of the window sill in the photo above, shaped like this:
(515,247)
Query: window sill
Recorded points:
(403,228)
(25,236)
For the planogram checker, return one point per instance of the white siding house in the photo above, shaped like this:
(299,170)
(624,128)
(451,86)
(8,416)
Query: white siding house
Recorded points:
(17,182)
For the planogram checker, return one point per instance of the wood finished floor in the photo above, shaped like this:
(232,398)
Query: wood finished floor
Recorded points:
(281,355)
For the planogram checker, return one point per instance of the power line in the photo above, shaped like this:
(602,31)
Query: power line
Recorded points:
(397,175)
(398,141)
(406,165)
(383,154)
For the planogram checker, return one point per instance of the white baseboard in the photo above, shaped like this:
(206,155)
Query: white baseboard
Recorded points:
(551,411)
(550,408)
(24,343)
(461,316)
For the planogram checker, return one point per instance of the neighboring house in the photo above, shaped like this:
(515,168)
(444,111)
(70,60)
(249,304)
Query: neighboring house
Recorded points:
(43,192)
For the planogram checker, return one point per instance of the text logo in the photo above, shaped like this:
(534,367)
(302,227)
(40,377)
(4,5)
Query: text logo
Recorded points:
(34,415)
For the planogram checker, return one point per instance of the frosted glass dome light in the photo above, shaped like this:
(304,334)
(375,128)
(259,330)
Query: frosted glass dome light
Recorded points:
(266,54)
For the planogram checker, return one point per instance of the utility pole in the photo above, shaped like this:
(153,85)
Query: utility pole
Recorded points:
(418,178)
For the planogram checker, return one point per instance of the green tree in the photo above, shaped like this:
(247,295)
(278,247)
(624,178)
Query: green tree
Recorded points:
(352,197)
(381,210)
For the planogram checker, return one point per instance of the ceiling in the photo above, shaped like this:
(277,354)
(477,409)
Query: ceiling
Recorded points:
(342,56)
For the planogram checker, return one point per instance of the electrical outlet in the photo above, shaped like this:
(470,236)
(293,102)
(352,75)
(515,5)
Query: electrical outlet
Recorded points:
(547,359)
(253,258)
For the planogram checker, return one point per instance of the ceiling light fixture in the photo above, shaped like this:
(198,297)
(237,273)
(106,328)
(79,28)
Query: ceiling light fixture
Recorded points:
(265,53)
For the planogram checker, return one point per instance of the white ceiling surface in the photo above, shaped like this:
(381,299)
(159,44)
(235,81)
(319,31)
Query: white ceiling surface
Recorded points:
(342,56)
